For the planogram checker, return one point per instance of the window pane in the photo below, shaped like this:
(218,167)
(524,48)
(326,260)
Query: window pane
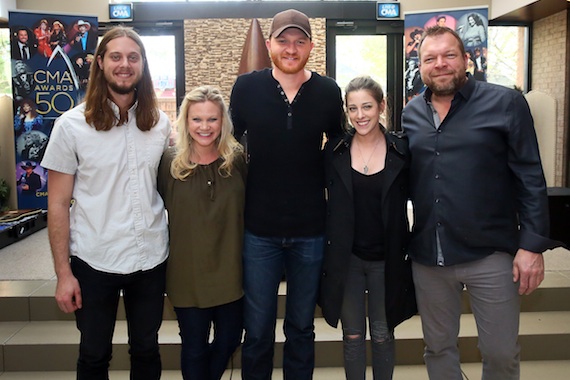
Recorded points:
(162,64)
(507,56)
(360,55)
(5,67)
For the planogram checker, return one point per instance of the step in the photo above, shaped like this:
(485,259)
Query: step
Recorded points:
(530,370)
(52,345)
(34,300)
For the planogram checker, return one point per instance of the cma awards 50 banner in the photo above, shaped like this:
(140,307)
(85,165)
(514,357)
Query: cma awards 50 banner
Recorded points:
(50,55)
(471,24)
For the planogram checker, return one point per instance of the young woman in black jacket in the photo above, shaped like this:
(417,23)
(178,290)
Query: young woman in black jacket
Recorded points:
(367,232)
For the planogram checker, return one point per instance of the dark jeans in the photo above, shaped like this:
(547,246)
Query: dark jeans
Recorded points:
(365,289)
(265,259)
(200,358)
(143,296)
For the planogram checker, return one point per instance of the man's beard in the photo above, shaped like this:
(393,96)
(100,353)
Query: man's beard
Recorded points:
(446,89)
(299,66)
(123,90)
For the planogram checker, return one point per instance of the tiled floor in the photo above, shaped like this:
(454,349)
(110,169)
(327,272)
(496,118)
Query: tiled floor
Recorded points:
(547,370)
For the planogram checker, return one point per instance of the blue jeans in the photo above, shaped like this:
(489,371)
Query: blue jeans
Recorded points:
(264,260)
(200,358)
(143,296)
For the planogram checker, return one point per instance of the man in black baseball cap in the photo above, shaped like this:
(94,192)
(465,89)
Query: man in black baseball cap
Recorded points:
(285,111)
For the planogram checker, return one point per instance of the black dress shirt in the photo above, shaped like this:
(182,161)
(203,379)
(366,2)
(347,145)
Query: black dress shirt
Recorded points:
(476,179)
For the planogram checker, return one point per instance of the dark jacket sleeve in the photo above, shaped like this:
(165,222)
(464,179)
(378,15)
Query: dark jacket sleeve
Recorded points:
(340,123)
(235,107)
(530,185)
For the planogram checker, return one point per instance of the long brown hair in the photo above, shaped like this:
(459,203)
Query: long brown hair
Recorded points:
(98,111)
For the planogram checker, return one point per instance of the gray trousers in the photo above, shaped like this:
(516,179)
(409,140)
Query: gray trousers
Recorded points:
(495,303)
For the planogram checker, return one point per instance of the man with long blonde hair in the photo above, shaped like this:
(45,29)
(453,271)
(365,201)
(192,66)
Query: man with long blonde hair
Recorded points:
(104,155)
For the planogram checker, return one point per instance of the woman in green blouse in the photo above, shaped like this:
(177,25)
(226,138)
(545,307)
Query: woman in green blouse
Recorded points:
(202,182)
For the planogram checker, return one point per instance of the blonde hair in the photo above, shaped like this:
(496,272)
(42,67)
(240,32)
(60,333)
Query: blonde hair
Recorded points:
(228,147)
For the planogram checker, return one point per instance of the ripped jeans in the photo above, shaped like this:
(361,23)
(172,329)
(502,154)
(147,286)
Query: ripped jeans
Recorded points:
(365,288)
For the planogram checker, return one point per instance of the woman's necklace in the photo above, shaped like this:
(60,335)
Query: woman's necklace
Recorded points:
(365,169)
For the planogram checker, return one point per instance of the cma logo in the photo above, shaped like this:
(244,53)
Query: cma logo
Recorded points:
(120,11)
(388,10)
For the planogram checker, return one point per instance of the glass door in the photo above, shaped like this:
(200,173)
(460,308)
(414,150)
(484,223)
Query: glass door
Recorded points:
(164,44)
(360,55)
(371,48)
(160,51)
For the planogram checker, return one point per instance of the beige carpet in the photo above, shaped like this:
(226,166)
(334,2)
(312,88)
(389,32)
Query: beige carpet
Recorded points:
(27,259)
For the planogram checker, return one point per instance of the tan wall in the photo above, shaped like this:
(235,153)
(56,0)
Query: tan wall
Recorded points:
(7,149)
(98,8)
(500,7)
(435,5)
(213,47)
(5,6)
(549,76)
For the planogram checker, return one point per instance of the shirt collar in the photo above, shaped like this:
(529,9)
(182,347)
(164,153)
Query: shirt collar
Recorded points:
(116,110)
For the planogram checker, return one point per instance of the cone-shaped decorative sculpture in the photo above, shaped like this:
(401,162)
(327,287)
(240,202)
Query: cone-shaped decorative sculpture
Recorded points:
(254,55)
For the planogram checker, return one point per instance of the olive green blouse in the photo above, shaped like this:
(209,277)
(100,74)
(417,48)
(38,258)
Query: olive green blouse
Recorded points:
(205,216)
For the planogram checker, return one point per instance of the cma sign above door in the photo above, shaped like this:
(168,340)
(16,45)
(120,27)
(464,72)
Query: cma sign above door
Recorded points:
(121,12)
(387,10)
